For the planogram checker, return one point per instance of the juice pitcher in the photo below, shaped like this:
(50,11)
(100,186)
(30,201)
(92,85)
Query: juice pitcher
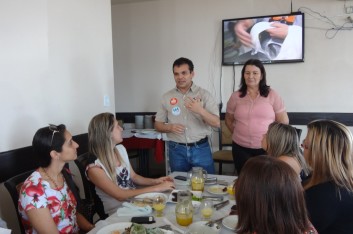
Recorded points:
(184,210)
(198,177)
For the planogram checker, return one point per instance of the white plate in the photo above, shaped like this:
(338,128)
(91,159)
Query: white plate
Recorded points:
(201,228)
(216,189)
(151,195)
(230,222)
(148,131)
(114,227)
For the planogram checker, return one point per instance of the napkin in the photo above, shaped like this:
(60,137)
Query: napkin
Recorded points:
(5,231)
(129,209)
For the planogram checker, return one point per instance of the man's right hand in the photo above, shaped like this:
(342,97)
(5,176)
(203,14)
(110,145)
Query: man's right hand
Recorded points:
(177,128)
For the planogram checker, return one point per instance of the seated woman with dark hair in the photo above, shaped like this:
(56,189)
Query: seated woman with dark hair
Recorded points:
(281,141)
(46,203)
(270,199)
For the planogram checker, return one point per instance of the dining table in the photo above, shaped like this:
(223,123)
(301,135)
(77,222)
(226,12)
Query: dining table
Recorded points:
(169,217)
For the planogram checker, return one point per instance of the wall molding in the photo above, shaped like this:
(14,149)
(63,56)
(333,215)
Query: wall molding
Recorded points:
(295,118)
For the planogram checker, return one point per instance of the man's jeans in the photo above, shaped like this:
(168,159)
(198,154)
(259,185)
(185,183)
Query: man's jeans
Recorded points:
(183,158)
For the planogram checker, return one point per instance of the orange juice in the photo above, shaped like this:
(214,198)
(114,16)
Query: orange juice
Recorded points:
(184,219)
(231,191)
(159,207)
(207,212)
(197,184)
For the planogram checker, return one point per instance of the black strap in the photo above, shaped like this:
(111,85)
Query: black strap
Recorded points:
(71,184)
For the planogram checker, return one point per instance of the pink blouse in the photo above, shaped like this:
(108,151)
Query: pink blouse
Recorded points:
(252,117)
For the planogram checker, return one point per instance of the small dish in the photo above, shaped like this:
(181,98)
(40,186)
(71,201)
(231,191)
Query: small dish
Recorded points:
(217,189)
(230,222)
(115,227)
(197,195)
(201,228)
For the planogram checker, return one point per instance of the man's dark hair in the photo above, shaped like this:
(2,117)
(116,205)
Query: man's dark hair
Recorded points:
(181,61)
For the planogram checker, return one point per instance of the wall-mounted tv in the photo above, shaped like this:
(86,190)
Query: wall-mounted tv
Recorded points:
(271,39)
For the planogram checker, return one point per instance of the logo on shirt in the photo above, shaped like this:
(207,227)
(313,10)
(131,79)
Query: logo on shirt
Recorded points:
(173,101)
(176,110)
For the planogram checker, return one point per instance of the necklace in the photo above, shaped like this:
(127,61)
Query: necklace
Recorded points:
(53,181)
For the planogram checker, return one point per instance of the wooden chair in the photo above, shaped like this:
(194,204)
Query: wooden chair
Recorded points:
(13,185)
(225,140)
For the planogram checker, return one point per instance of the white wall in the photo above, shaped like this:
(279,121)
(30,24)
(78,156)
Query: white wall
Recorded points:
(56,64)
(149,36)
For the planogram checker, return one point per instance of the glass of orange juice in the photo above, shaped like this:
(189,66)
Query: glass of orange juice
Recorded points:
(159,205)
(184,219)
(206,209)
(231,191)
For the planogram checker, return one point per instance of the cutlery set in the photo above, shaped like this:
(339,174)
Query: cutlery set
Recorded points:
(221,205)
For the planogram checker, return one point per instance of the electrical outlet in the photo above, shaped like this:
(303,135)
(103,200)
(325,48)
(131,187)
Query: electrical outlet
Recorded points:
(106,100)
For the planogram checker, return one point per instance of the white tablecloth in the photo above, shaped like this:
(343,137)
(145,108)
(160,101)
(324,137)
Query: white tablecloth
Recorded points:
(169,212)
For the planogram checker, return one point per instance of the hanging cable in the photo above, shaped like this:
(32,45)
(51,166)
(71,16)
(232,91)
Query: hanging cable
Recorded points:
(233,77)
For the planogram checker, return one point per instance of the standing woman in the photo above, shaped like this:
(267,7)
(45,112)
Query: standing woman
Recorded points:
(281,141)
(46,203)
(328,149)
(111,172)
(249,112)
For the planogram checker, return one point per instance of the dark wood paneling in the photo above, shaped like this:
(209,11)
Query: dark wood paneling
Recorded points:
(295,118)
(129,117)
(17,161)
(303,118)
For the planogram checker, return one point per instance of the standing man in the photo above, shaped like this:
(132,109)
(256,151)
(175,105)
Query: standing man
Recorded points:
(187,114)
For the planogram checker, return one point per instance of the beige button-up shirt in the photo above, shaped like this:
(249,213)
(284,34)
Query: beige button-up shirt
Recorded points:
(173,110)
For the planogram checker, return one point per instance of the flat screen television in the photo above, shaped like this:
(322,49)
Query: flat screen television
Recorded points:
(271,39)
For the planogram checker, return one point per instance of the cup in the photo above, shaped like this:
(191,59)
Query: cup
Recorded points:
(139,121)
(159,205)
(148,122)
(206,209)
(231,190)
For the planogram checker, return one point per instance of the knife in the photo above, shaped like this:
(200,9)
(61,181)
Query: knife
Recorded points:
(213,198)
(221,205)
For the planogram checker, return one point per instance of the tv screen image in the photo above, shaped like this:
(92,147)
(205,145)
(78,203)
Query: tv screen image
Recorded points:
(271,39)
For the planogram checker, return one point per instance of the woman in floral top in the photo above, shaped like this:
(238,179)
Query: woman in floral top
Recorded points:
(46,203)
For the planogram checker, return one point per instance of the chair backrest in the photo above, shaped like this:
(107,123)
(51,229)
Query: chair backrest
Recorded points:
(82,162)
(13,185)
(225,136)
(299,132)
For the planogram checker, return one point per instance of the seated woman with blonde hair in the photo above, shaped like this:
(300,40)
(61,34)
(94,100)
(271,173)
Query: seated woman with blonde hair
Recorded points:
(270,199)
(281,141)
(328,149)
(110,171)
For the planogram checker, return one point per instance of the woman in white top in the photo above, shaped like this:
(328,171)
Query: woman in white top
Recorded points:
(112,173)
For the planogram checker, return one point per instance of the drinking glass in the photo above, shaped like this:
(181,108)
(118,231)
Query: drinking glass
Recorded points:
(159,205)
(206,209)
(231,191)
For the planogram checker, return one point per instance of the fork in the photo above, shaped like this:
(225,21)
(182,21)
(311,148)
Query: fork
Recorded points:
(213,222)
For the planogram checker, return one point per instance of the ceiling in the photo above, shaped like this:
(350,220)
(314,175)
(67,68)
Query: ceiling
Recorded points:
(114,2)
